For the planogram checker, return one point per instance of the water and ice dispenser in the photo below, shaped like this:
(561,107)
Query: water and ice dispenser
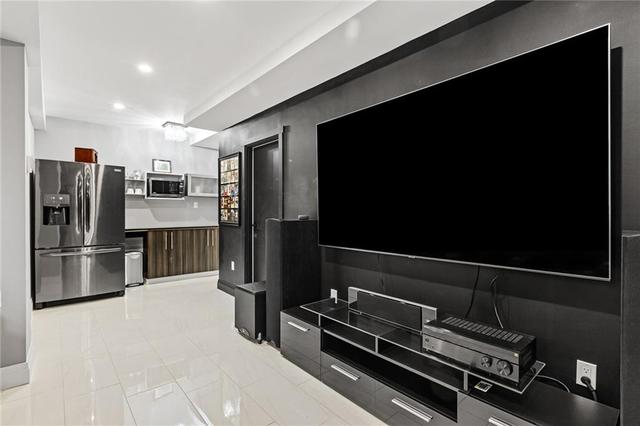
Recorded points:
(56,209)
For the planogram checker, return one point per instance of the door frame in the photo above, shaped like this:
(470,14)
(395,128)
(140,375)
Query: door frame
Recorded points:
(275,137)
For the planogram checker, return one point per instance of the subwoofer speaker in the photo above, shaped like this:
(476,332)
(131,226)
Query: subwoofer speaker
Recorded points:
(293,268)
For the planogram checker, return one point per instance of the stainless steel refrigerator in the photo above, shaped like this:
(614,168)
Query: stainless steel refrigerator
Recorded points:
(78,230)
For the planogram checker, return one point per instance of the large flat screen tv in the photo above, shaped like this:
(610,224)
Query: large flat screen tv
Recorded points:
(506,166)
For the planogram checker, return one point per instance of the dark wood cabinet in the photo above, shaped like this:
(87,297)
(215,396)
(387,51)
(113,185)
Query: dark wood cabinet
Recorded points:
(181,251)
(157,254)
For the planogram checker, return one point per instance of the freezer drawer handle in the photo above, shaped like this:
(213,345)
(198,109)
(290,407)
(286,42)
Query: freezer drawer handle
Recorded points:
(497,422)
(345,372)
(82,253)
(64,254)
(299,327)
(101,251)
(413,410)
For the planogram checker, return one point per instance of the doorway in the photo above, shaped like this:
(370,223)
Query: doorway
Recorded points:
(265,200)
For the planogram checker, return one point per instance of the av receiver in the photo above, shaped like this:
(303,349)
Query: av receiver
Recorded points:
(505,353)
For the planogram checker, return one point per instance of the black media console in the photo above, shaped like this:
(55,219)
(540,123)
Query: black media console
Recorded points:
(380,365)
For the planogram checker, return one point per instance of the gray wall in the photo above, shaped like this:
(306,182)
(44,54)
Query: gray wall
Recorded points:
(15,157)
(134,148)
(572,318)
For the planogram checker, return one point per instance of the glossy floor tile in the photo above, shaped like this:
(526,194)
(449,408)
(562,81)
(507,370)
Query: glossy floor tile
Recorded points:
(164,354)
(87,375)
(107,406)
(40,410)
(224,403)
(286,403)
(166,405)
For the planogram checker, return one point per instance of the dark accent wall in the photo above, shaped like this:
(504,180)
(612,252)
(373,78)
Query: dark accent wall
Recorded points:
(572,318)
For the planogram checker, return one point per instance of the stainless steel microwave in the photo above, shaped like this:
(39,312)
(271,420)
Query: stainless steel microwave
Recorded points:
(170,186)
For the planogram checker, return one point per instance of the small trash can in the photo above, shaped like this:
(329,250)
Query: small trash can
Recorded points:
(134,260)
(250,310)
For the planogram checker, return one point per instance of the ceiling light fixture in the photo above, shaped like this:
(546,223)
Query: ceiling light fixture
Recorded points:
(145,68)
(175,131)
(118,106)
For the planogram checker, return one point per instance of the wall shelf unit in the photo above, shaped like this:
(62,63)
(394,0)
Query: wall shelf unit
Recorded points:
(201,185)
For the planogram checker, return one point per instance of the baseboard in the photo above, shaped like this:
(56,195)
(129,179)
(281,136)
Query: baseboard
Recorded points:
(226,286)
(14,375)
(180,277)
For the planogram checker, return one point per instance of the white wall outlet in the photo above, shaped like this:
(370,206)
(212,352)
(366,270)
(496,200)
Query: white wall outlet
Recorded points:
(195,204)
(334,294)
(233,265)
(584,368)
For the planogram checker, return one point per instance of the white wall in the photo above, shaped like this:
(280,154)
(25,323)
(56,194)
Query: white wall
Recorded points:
(134,148)
(16,137)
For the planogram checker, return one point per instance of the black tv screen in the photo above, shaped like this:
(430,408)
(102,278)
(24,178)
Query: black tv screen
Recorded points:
(507,166)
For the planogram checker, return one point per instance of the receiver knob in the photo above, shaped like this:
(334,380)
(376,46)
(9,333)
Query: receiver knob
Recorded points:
(504,368)
(485,361)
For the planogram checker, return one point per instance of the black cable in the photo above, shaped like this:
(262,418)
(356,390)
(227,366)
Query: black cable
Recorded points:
(494,298)
(473,292)
(553,379)
(587,383)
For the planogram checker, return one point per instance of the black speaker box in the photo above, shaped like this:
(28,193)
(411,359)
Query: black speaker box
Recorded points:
(293,268)
(630,344)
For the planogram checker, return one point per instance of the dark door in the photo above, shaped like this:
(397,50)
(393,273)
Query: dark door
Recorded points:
(265,190)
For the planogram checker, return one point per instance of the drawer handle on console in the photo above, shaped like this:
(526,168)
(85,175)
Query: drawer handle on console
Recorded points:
(345,372)
(413,410)
(299,327)
(497,422)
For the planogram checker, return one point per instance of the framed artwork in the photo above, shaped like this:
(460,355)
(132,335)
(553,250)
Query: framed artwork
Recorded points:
(161,166)
(229,179)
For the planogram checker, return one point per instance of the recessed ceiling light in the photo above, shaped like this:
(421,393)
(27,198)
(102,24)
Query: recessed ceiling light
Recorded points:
(118,106)
(145,68)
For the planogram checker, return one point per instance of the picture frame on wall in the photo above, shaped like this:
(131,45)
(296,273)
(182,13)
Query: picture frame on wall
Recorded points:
(161,166)
(229,181)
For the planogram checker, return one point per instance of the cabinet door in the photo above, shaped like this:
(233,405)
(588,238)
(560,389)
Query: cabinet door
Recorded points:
(203,240)
(215,250)
(157,254)
(176,252)
(211,249)
(188,262)
(194,250)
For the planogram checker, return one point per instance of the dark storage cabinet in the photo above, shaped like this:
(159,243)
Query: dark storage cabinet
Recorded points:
(300,340)
(181,251)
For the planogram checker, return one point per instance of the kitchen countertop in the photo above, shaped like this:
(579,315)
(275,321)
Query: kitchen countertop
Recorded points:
(169,227)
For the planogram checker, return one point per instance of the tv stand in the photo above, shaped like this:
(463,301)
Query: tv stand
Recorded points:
(380,365)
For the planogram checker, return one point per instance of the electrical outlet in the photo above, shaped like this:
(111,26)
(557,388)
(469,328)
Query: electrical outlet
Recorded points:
(233,265)
(195,204)
(584,368)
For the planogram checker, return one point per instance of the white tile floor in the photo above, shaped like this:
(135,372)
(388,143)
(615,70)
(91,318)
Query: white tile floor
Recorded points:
(165,354)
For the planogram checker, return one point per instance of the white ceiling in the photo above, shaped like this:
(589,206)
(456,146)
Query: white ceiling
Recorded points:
(375,30)
(215,62)
(198,49)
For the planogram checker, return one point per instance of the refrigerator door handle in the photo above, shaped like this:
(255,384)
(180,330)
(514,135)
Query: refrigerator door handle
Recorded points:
(79,199)
(87,204)
(101,251)
(64,254)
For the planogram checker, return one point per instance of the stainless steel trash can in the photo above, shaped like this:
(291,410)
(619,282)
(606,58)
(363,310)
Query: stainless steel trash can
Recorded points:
(134,261)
